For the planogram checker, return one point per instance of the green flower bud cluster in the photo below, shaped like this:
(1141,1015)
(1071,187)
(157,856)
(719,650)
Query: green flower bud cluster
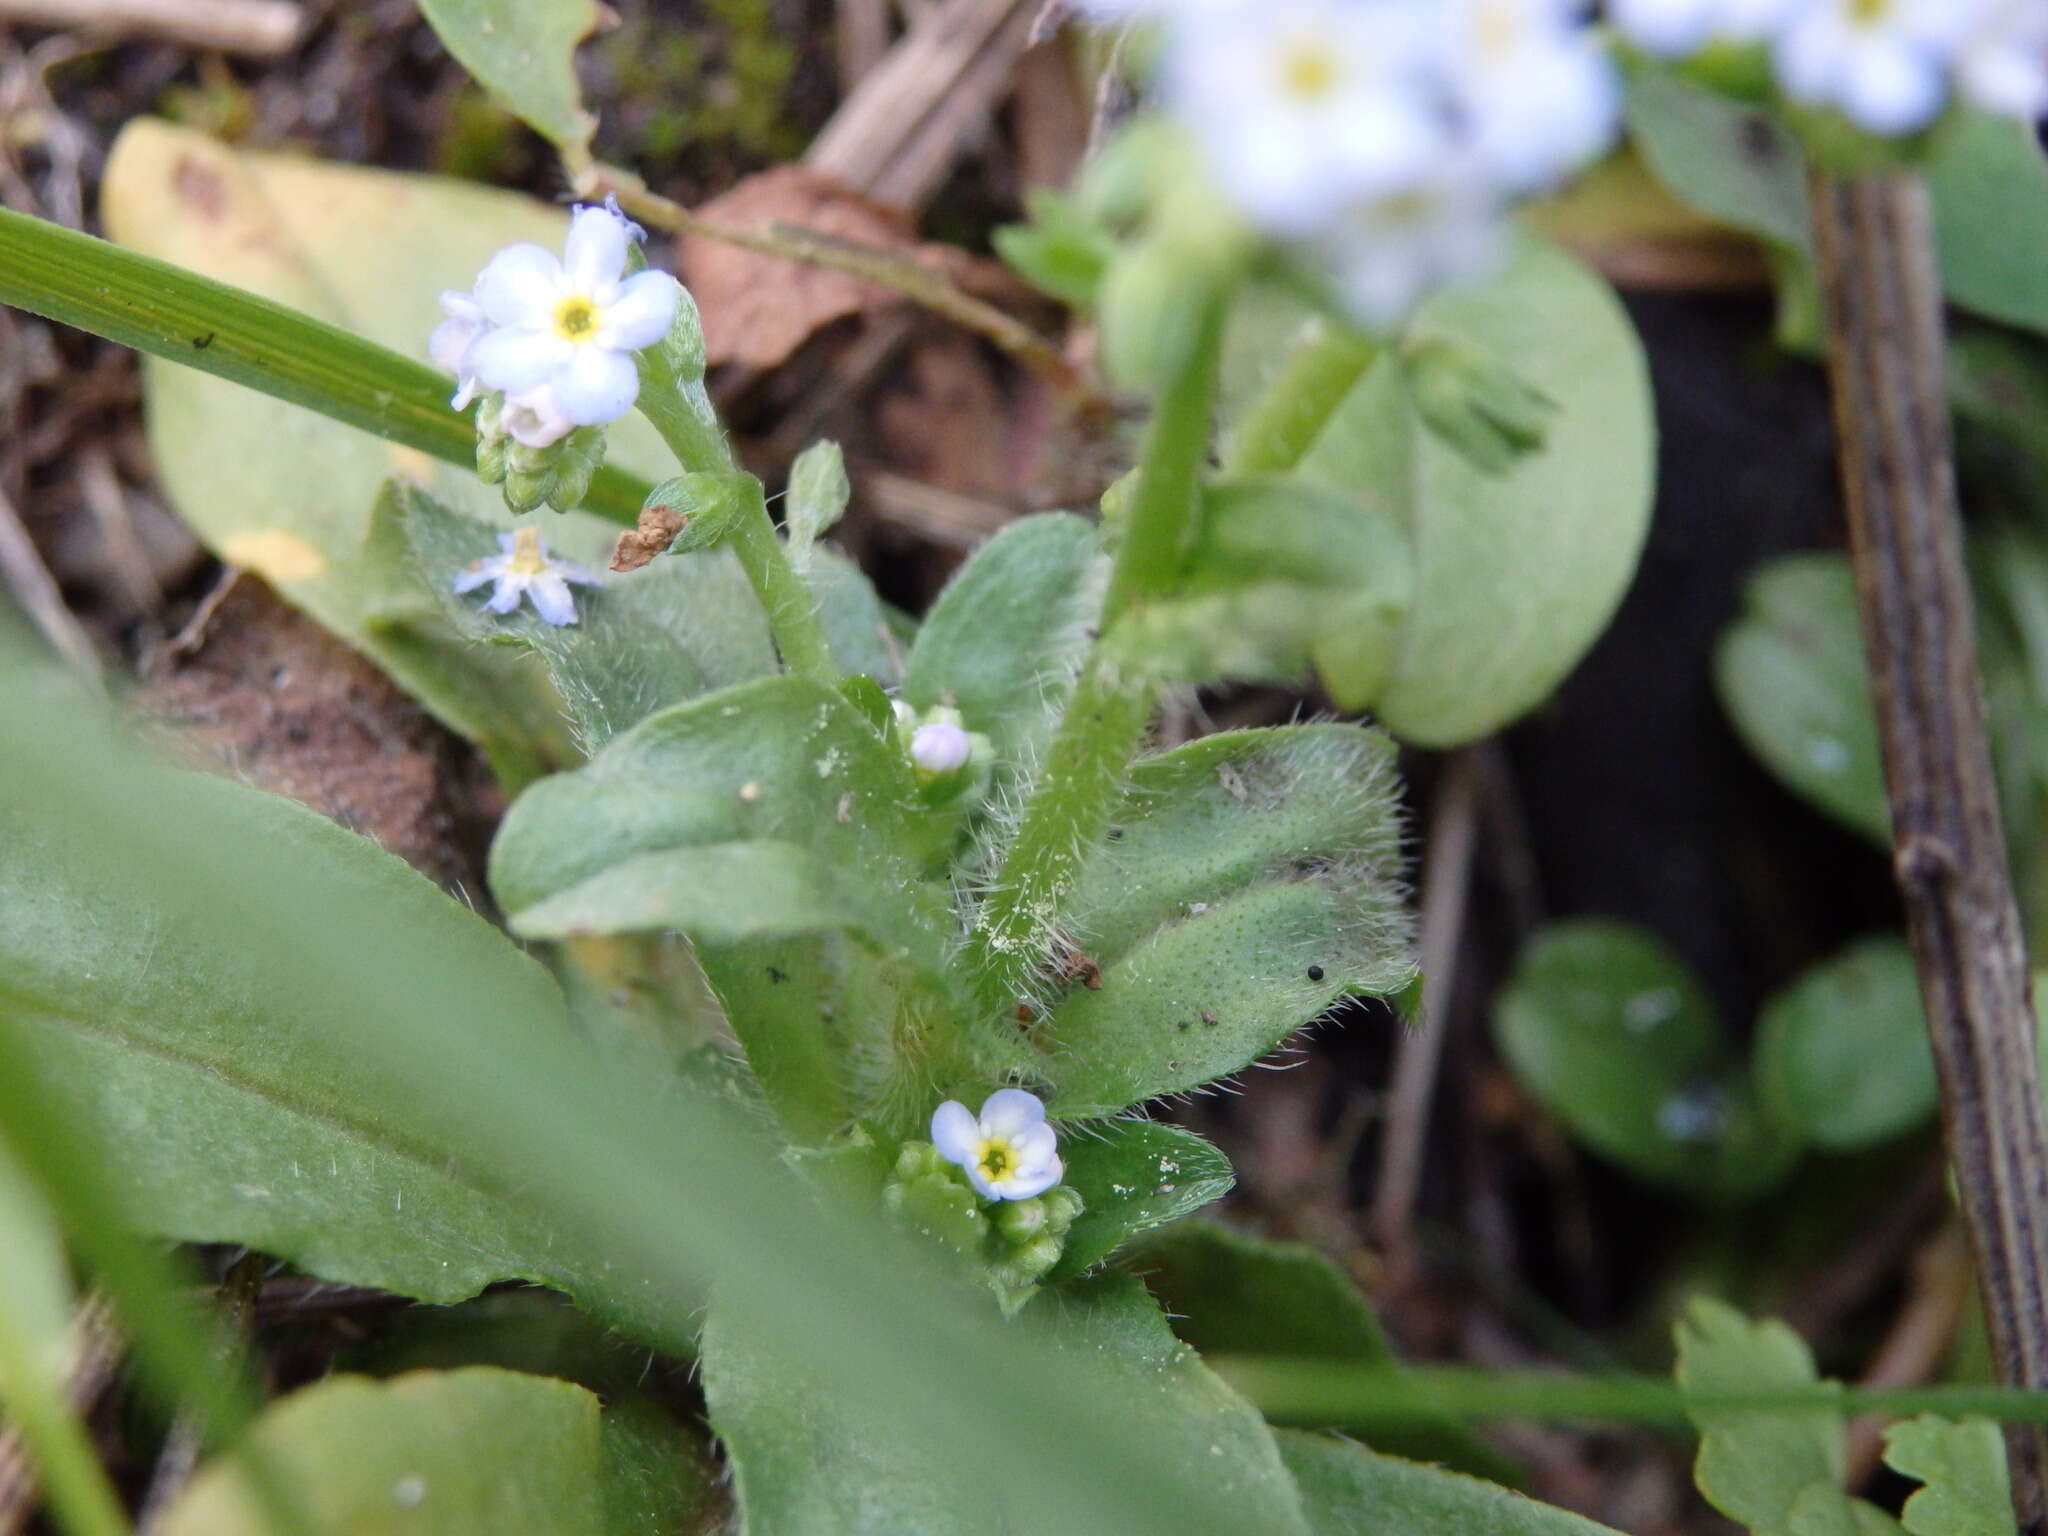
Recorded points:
(1011,1244)
(558,474)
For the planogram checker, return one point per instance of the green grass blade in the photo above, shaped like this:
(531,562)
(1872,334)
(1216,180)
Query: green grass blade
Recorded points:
(155,307)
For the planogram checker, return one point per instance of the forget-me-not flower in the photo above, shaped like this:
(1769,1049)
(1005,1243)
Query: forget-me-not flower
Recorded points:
(572,324)
(524,568)
(1883,64)
(1008,1150)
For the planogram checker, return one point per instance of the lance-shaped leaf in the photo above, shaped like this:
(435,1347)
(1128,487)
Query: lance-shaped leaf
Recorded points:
(810,1466)
(1251,879)
(1004,639)
(1347,1489)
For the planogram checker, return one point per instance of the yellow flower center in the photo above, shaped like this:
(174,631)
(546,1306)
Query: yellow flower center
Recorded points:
(996,1160)
(527,560)
(1307,71)
(575,319)
(1497,29)
(1868,12)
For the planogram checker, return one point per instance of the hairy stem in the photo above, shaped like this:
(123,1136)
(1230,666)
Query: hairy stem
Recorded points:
(1881,296)
(1284,422)
(792,616)
(1104,722)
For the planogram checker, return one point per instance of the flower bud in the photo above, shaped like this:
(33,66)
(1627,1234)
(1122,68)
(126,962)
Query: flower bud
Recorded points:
(1476,403)
(940,747)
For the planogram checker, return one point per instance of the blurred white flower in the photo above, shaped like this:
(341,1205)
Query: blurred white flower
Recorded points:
(1535,88)
(1008,1150)
(462,322)
(939,748)
(1306,105)
(572,325)
(1393,252)
(1884,64)
(525,569)
(1673,28)
(2004,63)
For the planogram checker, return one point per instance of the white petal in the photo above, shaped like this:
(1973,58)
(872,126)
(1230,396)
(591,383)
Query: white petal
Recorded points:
(983,1186)
(507,542)
(520,286)
(477,572)
(1893,88)
(506,597)
(532,417)
(1028,1181)
(516,361)
(1008,1113)
(1035,1145)
(465,391)
(597,386)
(552,599)
(449,342)
(642,313)
(939,747)
(569,570)
(955,1134)
(596,252)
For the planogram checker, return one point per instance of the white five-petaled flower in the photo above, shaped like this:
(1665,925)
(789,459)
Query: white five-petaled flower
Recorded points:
(572,325)
(1535,88)
(1008,1150)
(1884,64)
(525,569)
(462,323)
(1307,105)
(1673,28)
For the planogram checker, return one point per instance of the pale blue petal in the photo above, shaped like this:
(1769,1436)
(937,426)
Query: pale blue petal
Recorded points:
(642,313)
(597,386)
(506,597)
(477,572)
(1009,1113)
(1028,1181)
(516,361)
(596,252)
(1035,1144)
(955,1133)
(551,599)
(520,286)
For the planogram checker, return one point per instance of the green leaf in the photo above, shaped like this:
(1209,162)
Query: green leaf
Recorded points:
(1989,183)
(235,335)
(35,1279)
(473,1452)
(1231,1293)
(668,632)
(1755,1464)
(225,1089)
(857,628)
(1821,1510)
(1006,636)
(1791,676)
(1061,250)
(1135,1175)
(1516,573)
(807,1464)
(1348,1490)
(1733,162)
(1843,1054)
(1614,1035)
(291,496)
(1962,1462)
(523,52)
(1249,881)
(818,493)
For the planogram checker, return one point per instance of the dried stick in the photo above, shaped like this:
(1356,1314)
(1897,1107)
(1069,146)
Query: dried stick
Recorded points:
(259,28)
(1446,881)
(1881,296)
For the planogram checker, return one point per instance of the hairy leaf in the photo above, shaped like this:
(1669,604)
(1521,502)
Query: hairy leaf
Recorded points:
(1250,880)
(1135,1175)
(1347,1490)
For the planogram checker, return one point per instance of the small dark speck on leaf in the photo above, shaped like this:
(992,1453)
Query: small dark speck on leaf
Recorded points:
(1315,973)
(1115,833)
(777,976)
(201,343)
(1209,1018)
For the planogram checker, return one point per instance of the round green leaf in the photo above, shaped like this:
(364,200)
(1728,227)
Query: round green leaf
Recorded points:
(1843,1053)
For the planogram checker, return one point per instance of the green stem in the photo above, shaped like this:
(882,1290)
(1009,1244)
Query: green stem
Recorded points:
(792,616)
(1324,364)
(1341,1395)
(681,412)
(80,1495)
(1104,722)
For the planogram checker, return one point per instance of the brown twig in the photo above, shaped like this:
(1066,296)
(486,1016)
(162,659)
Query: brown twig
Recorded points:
(259,28)
(1881,296)
(1446,881)
(916,282)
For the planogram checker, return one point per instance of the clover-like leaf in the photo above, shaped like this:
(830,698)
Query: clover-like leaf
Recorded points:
(1251,879)
(1962,1464)
(1791,676)
(1615,1036)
